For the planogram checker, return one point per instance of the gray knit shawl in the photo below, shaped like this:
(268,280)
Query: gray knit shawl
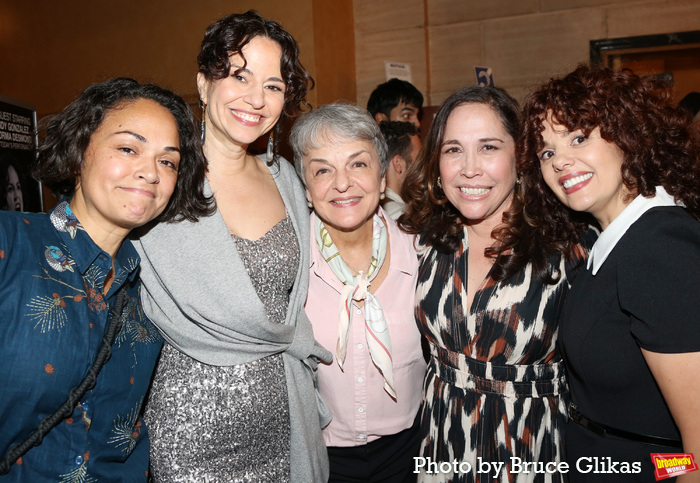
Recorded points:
(197,292)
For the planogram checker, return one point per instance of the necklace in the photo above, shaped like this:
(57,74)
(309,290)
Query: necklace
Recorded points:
(360,272)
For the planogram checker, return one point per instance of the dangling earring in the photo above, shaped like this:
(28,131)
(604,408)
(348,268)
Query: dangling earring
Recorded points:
(310,204)
(439,182)
(270,146)
(382,195)
(203,125)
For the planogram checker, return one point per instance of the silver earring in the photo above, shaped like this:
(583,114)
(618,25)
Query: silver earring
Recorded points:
(382,195)
(310,205)
(270,147)
(439,182)
(203,125)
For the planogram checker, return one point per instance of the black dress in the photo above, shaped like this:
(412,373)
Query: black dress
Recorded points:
(646,294)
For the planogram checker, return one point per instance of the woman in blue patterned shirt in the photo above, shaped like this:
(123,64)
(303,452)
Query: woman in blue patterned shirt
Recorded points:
(121,155)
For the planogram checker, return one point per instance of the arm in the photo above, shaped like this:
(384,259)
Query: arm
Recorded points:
(676,375)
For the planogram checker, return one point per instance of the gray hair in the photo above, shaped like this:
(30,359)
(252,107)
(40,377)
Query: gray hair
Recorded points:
(337,121)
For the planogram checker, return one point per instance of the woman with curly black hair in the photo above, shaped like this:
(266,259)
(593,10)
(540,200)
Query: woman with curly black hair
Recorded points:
(490,288)
(76,349)
(233,397)
(611,144)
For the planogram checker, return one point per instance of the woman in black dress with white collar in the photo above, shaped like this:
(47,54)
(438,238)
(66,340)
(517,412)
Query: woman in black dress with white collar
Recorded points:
(610,144)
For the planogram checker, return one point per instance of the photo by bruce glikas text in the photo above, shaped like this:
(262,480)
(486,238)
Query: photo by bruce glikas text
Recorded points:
(584,465)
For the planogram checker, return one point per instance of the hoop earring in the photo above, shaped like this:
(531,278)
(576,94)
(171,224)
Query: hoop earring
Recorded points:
(203,125)
(270,146)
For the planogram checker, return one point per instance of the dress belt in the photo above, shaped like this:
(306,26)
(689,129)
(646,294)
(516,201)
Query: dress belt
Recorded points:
(510,380)
(604,431)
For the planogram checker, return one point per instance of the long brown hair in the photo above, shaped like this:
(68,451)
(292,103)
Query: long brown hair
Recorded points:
(441,225)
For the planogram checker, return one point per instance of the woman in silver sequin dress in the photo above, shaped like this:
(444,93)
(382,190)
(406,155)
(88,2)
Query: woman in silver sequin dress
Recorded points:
(233,397)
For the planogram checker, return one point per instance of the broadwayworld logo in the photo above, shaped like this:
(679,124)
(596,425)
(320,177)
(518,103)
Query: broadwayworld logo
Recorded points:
(667,465)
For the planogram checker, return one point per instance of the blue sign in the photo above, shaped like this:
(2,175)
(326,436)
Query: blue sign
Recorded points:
(484,76)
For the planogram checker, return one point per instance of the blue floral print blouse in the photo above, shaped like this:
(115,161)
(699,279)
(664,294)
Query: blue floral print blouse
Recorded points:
(53,316)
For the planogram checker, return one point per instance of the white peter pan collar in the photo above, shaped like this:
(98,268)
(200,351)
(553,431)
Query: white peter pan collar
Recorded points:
(619,226)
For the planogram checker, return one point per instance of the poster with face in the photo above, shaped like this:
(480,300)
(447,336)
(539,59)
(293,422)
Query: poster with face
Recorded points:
(18,143)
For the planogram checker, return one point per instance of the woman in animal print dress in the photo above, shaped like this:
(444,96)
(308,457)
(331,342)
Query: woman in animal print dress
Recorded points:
(490,288)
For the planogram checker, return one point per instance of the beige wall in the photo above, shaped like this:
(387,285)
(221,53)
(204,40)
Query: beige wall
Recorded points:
(333,32)
(51,50)
(525,41)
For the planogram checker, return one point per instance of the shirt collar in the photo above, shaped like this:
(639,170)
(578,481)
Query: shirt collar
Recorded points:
(83,250)
(401,254)
(393,196)
(619,226)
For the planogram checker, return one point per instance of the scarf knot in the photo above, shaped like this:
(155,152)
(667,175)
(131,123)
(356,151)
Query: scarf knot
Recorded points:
(356,288)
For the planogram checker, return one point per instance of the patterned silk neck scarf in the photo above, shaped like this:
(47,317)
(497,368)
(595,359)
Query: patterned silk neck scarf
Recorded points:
(356,287)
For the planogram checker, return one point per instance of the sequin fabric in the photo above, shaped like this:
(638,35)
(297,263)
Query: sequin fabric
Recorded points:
(228,424)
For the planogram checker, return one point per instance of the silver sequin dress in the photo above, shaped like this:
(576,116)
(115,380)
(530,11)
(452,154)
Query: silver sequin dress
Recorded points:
(228,424)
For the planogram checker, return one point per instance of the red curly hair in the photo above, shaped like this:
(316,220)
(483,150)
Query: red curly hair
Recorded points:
(635,113)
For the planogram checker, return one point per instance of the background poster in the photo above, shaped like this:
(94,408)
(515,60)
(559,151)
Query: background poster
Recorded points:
(398,70)
(18,142)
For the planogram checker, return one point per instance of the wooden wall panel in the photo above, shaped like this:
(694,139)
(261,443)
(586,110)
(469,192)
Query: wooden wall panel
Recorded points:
(525,42)
(442,12)
(521,52)
(334,48)
(375,16)
(50,51)
(553,5)
(372,49)
(653,18)
(454,51)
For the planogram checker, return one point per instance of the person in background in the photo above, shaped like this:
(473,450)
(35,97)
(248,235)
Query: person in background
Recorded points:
(611,144)
(691,103)
(362,277)
(11,198)
(403,143)
(396,100)
(490,288)
(121,155)
(233,397)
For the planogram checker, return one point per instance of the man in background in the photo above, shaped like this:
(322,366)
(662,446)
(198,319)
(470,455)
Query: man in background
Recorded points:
(396,100)
(404,144)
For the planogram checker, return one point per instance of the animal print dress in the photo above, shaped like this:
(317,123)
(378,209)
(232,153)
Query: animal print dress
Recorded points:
(494,394)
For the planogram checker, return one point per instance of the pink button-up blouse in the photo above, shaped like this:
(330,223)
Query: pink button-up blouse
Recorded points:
(362,410)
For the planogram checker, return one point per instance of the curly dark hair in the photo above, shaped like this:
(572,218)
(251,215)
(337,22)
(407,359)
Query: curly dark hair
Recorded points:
(230,34)
(635,113)
(430,214)
(67,136)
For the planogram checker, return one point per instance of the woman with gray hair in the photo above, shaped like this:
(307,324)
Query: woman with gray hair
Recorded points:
(361,285)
